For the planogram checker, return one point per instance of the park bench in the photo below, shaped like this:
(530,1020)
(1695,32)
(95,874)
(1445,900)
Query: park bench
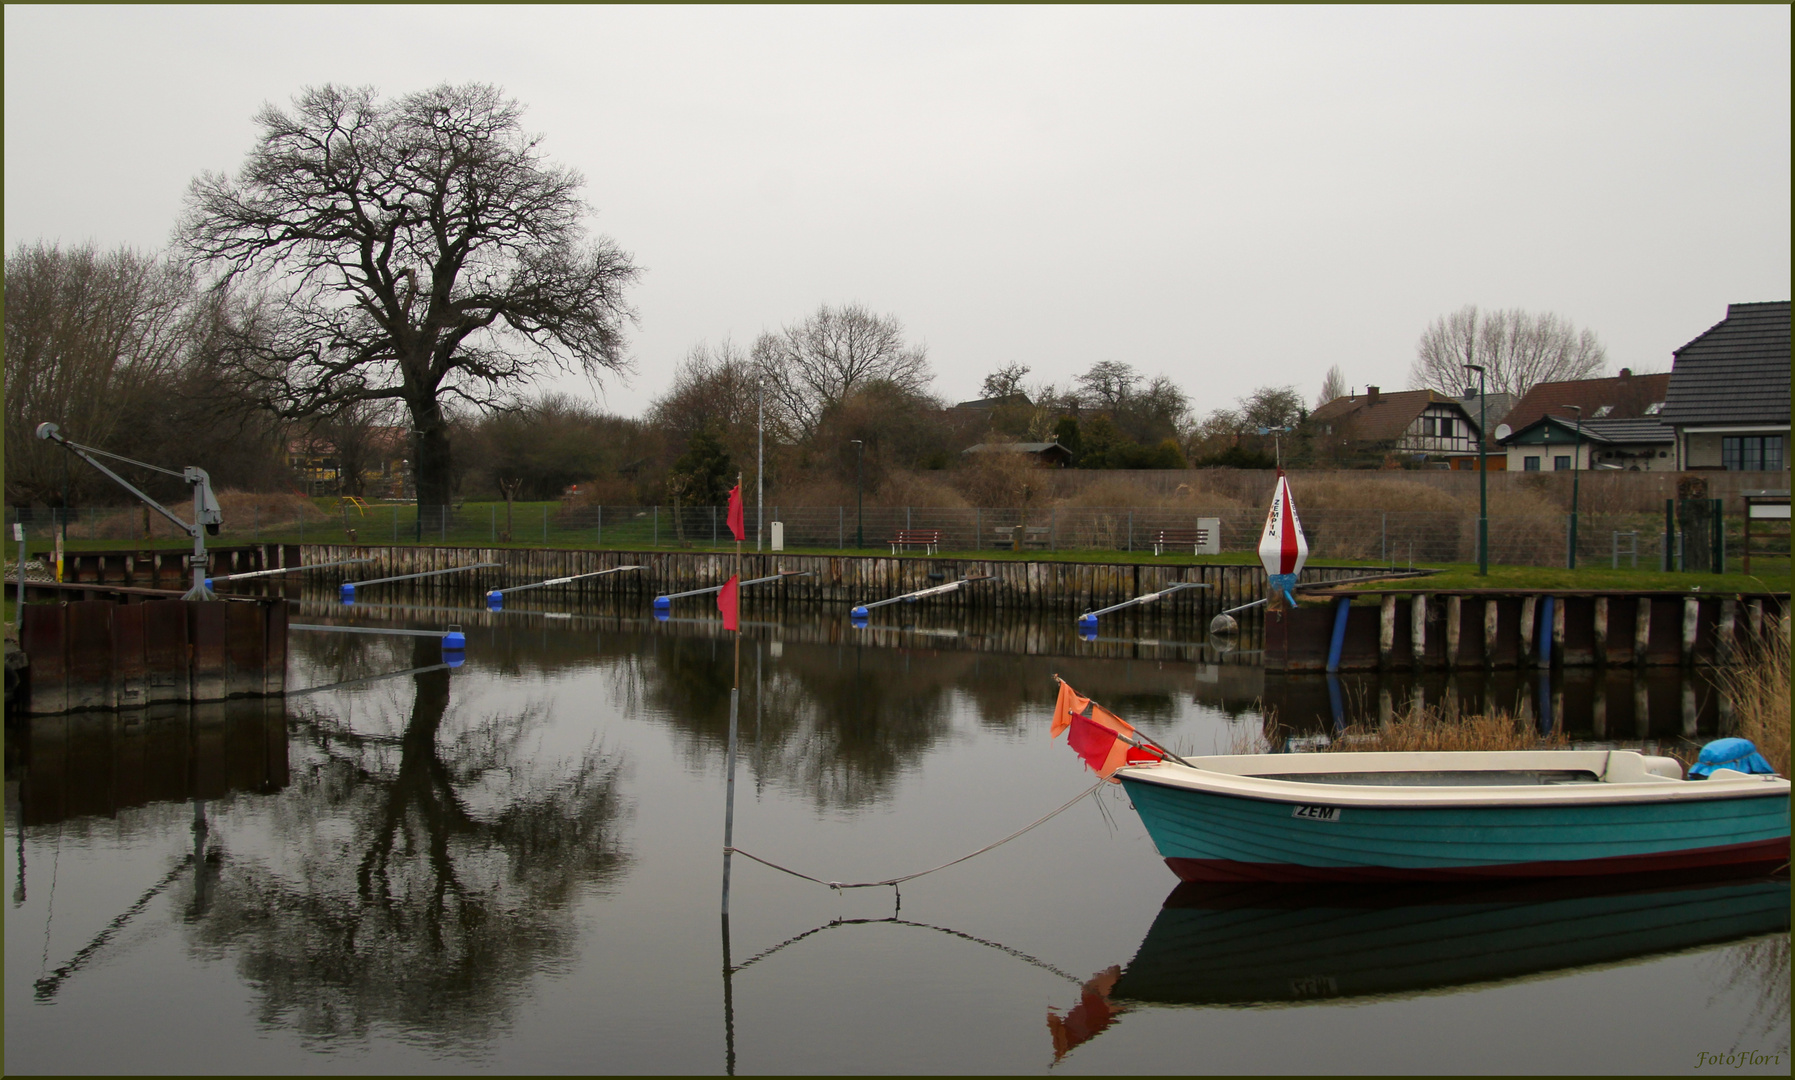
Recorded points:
(1195,539)
(1036,536)
(927,539)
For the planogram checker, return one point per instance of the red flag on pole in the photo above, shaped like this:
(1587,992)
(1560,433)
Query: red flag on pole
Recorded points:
(729,603)
(735,513)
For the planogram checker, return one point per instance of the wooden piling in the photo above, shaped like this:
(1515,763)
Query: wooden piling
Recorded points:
(1642,631)
(1558,614)
(1386,631)
(1454,612)
(1418,629)
(1723,637)
(1691,623)
(1599,628)
(1489,632)
(1528,606)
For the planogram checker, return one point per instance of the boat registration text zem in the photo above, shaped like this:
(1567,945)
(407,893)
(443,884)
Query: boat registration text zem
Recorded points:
(1316,813)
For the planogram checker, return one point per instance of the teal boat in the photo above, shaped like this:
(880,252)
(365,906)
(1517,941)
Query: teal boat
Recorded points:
(1454,815)
(1224,944)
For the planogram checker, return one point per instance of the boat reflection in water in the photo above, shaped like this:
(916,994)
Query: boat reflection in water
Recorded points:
(1239,945)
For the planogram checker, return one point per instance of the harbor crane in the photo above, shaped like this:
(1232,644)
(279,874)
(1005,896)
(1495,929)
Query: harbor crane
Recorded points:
(206,514)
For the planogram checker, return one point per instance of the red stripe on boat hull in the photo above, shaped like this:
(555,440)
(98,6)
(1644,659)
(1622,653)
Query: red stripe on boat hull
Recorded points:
(1768,854)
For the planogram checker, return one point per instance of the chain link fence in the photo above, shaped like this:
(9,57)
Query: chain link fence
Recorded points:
(1621,540)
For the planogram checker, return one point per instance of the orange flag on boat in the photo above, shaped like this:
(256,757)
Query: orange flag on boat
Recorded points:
(1069,702)
(1103,739)
(734,518)
(729,602)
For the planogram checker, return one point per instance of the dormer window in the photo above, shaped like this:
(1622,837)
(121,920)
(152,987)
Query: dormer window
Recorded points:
(1601,412)
(1654,408)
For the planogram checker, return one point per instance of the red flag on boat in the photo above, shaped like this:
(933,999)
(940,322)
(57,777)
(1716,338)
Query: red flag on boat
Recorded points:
(1099,736)
(734,519)
(1105,741)
(729,601)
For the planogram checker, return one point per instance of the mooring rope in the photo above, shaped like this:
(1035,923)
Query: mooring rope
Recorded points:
(895,921)
(896,881)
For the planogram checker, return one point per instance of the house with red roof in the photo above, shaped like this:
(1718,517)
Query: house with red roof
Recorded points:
(1409,426)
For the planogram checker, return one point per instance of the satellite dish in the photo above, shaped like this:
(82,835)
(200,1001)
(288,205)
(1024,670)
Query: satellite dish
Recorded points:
(1503,431)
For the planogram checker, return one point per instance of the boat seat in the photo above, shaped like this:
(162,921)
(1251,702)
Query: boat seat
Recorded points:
(1627,767)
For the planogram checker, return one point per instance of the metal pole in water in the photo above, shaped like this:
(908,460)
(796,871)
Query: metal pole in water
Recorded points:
(735,695)
(729,795)
(18,532)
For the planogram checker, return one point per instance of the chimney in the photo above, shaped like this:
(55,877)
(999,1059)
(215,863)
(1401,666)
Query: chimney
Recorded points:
(1626,373)
(1371,395)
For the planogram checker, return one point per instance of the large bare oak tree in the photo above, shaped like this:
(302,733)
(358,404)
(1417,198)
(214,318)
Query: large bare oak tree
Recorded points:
(413,250)
(1517,350)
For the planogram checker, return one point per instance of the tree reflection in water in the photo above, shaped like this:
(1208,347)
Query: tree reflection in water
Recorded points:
(429,873)
(840,723)
(837,724)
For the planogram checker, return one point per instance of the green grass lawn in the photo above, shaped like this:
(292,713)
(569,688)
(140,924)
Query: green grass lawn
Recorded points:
(1465,576)
(535,526)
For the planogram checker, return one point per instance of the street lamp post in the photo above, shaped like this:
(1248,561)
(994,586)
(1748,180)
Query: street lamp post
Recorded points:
(1483,475)
(859,509)
(1576,477)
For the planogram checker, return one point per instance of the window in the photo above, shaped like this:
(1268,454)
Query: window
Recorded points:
(1446,427)
(1751,452)
(1653,408)
(1427,425)
(1603,411)
(1530,464)
(1561,462)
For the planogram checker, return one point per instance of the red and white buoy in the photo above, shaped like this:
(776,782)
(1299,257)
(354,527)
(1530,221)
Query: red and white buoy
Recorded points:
(1282,548)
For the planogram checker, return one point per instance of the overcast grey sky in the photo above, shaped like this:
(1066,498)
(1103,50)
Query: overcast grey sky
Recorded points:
(1234,197)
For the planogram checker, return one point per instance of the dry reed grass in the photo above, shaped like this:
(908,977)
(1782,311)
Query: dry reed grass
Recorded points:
(1123,491)
(244,512)
(1757,685)
(930,489)
(1432,728)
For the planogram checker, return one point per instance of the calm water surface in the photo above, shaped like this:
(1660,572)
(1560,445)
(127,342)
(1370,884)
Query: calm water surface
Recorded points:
(515,865)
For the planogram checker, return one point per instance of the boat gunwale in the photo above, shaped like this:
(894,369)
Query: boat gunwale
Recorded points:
(1656,789)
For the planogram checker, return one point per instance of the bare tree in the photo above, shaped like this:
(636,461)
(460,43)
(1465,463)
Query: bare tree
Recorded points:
(813,366)
(107,345)
(712,388)
(1003,382)
(411,250)
(1333,385)
(1516,349)
(1106,385)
